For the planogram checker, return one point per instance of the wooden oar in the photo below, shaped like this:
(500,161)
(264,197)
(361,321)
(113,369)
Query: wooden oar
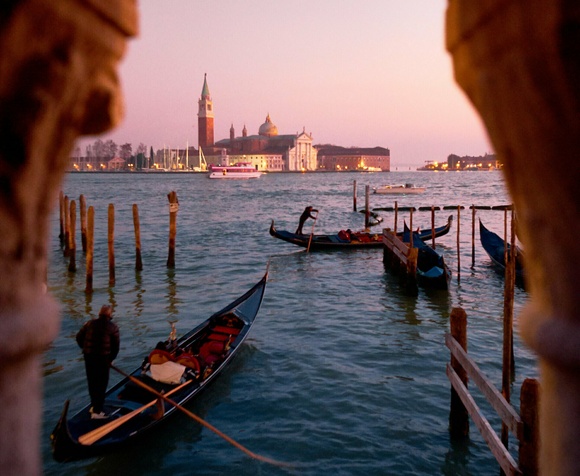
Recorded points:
(201,421)
(311,233)
(96,434)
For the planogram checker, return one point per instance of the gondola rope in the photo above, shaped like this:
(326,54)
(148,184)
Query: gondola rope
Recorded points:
(201,421)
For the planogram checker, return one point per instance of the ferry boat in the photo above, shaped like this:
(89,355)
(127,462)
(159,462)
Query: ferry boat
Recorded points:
(240,170)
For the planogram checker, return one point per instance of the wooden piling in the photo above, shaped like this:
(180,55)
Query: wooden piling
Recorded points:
(458,244)
(433,227)
(111,239)
(354,196)
(72,252)
(173,208)
(66,225)
(367,210)
(83,209)
(138,262)
(472,236)
(458,415)
(61,216)
(396,215)
(530,440)
(410,229)
(90,249)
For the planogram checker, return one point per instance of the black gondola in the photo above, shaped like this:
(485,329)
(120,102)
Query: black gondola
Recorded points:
(426,234)
(344,240)
(494,246)
(200,355)
(432,271)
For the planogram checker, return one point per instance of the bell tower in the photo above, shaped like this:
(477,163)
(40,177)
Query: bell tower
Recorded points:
(205,117)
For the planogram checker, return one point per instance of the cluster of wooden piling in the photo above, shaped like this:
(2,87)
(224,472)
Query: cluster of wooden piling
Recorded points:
(524,426)
(68,218)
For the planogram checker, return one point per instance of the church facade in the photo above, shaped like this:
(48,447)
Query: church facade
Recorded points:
(267,150)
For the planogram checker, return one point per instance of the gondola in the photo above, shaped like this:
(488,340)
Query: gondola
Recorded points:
(343,240)
(426,234)
(494,246)
(432,271)
(180,368)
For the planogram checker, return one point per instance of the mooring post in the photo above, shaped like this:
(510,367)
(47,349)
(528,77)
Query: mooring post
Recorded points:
(530,415)
(61,216)
(458,415)
(111,243)
(173,208)
(90,249)
(138,262)
(458,245)
(66,212)
(508,317)
(411,228)
(367,211)
(433,226)
(354,196)
(72,252)
(83,208)
(396,215)
(472,235)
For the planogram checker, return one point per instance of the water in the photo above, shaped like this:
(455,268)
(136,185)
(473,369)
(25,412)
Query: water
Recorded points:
(341,374)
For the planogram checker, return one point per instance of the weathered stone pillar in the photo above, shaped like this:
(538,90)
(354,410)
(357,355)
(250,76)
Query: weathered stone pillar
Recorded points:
(519,63)
(58,62)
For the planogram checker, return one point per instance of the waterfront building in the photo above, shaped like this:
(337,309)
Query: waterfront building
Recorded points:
(336,158)
(266,150)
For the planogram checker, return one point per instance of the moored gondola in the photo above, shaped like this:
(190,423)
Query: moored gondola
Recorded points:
(179,368)
(494,246)
(427,233)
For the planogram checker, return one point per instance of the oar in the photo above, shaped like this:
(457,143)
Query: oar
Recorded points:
(311,233)
(201,421)
(96,434)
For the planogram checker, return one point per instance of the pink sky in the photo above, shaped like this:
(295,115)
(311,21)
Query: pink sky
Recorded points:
(353,73)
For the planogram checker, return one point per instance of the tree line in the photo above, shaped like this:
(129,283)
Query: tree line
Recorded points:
(109,149)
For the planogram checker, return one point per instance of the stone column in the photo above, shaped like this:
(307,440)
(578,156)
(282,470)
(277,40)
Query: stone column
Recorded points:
(518,61)
(58,62)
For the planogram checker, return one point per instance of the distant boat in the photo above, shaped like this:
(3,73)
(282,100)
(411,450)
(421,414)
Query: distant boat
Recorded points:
(240,170)
(399,189)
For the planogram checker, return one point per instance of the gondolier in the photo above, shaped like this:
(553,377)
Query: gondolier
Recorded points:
(306,214)
(99,340)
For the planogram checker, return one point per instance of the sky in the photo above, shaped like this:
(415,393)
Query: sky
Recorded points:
(350,72)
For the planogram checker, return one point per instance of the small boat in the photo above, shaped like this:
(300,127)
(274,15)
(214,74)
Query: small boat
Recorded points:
(180,368)
(426,234)
(399,189)
(240,170)
(432,271)
(494,246)
(343,240)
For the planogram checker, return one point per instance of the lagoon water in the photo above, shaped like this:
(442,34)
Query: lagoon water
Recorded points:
(342,373)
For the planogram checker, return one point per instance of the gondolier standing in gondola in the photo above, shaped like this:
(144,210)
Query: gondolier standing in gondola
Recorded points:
(99,340)
(306,214)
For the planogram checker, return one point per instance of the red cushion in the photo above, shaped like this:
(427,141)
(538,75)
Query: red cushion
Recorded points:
(227,330)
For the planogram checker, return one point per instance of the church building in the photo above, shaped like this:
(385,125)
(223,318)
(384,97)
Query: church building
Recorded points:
(266,150)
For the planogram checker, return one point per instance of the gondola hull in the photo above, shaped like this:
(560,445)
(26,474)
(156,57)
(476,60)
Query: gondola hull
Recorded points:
(494,247)
(328,242)
(212,345)
(427,234)
(432,271)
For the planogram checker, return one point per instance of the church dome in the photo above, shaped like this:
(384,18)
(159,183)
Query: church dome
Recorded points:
(268,129)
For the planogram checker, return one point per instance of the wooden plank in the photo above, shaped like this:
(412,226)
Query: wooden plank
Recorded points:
(402,258)
(505,411)
(501,454)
